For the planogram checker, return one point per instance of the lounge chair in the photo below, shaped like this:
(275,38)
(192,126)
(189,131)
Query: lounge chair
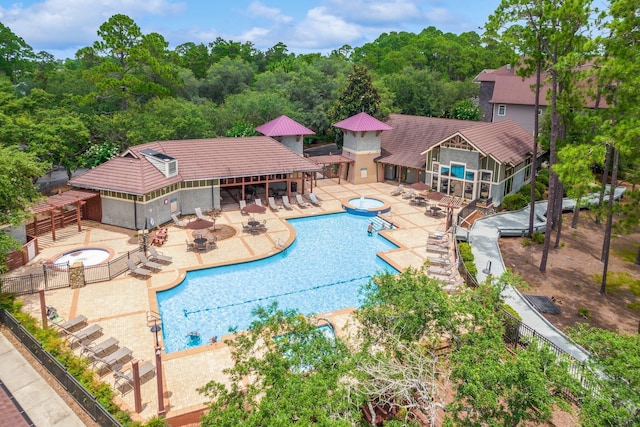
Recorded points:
(190,246)
(272,204)
(438,249)
(301,201)
(149,264)
(124,380)
(258,201)
(398,190)
(135,270)
(158,256)
(243,205)
(72,324)
(100,349)
(285,202)
(441,261)
(410,194)
(200,215)
(441,271)
(314,199)
(110,360)
(84,334)
(177,221)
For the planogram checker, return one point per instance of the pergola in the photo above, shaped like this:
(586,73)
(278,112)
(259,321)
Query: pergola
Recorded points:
(56,203)
(450,203)
(331,159)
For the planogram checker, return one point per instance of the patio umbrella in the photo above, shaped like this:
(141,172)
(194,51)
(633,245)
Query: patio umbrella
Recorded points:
(253,208)
(199,224)
(435,196)
(420,186)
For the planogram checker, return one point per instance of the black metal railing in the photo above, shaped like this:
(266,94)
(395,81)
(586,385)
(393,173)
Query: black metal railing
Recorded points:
(55,276)
(80,394)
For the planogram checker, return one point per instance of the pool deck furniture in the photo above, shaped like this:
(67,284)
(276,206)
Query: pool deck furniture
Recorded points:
(285,203)
(258,201)
(301,201)
(441,271)
(137,271)
(159,237)
(147,263)
(314,200)
(409,195)
(399,190)
(123,381)
(200,215)
(200,244)
(190,246)
(272,204)
(243,206)
(100,349)
(84,334)
(109,361)
(177,221)
(72,324)
(158,256)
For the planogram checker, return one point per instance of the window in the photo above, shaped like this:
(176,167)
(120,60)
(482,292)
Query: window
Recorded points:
(502,110)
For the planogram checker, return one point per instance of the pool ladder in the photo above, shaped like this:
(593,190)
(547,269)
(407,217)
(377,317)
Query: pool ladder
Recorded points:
(153,318)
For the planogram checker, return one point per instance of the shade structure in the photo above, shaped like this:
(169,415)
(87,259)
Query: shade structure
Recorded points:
(435,196)
(199,224)
(253,208)
(420,186)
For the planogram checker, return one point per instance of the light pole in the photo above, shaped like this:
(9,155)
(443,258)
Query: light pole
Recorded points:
(158,351)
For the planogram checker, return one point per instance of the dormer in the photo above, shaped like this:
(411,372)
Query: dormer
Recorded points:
(164,163)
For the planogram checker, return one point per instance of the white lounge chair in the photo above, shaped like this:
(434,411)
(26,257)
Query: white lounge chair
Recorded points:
(101,348)
(410,194)
(158,256)
(70,325)
(258,201)
(149,264)
(398,190)
(301,201)
(444,271)
(84,334)
(124,380)
(272,204)
(285,202)
(135,270)
(112,359)
(243,205)
(200,215)
(314,199)
(177,221)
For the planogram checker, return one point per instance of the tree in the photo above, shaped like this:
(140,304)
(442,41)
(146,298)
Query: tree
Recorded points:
(15,55)
(286,371)
(131,59)
(465,109)
(17,192)
(359,95)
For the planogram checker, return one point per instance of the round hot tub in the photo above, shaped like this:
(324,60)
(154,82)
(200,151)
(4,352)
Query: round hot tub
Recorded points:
(366,206)
(88,256)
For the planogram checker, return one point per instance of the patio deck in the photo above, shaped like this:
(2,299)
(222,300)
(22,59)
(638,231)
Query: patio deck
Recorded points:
(125,301)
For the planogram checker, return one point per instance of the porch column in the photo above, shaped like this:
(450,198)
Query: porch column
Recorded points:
(78,216)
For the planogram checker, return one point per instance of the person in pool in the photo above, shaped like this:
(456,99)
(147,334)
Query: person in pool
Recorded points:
(370,229)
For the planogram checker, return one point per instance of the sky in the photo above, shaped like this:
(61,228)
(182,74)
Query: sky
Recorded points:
(62,27)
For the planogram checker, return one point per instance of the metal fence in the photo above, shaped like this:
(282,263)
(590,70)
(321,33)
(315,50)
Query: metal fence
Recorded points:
(55,276)
(80,394)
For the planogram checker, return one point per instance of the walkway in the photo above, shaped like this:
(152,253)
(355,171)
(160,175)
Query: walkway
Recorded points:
(41,403)
(483,237)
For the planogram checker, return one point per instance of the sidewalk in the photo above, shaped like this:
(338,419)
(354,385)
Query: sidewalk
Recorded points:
(40,402)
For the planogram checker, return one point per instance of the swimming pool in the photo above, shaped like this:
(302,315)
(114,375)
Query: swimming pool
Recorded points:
(321,271)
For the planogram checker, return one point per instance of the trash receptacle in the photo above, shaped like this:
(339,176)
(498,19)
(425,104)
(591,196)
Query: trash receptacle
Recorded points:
(294,187)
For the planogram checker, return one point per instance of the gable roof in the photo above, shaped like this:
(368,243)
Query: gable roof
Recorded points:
(283,126)
(198,159)
(362,122)
(412,135)
(505,141)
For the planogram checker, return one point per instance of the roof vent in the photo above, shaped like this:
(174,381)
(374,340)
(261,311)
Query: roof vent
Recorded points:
(164,163)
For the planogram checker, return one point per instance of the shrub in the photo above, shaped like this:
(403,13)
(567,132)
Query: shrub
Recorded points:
(513,202)
(538,237)
(543,177)
(584,312)
(468,259)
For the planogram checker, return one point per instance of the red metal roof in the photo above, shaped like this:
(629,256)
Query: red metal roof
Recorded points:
(362,122)
(197,159)
(505,141)
(283,126)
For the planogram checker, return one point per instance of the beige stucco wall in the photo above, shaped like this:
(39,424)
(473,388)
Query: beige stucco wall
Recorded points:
(363,165)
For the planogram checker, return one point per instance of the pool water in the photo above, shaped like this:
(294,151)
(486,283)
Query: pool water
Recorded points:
(366,203)
(322,271)
(88,256)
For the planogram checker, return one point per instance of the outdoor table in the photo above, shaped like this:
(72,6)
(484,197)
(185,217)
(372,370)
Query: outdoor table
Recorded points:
(419,200)
(253,223)
(435,210)
(201,243)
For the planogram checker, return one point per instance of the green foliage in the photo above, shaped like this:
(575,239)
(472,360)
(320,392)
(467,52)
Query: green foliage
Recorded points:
(618,281)
(466,109)
(513,202)
(468,259)
(584,312)
(543,176)
(359,95)
(525,190)
(99,153)
(293,374)
(537,237)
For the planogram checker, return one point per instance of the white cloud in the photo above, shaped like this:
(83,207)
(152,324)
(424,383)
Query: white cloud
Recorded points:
(377,11)
(56,24)
(258,10)
(320,29)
